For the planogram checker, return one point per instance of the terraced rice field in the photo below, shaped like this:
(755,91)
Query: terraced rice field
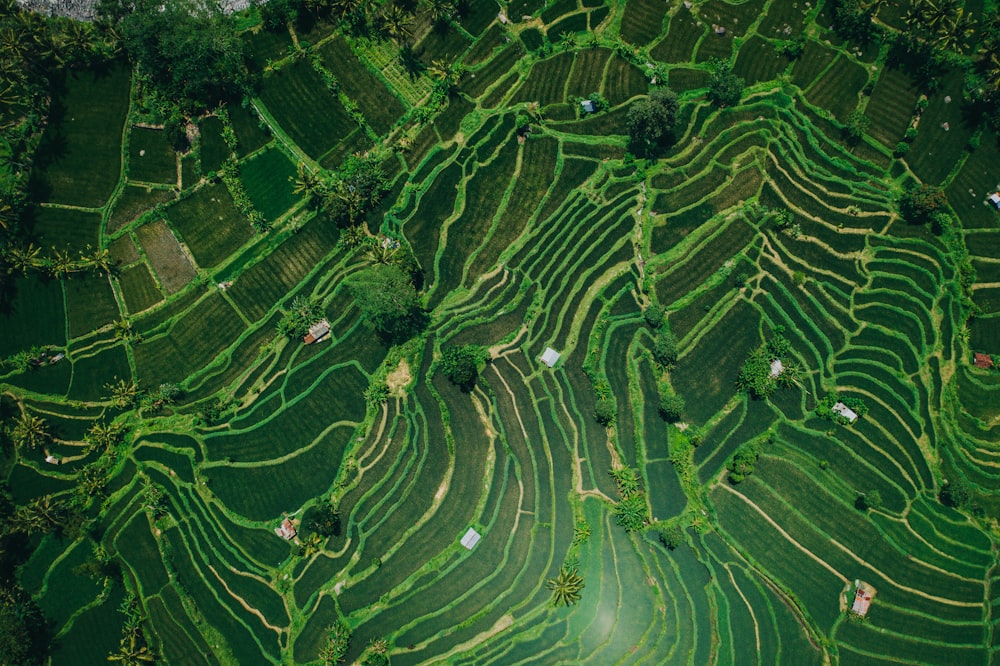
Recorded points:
(553,240)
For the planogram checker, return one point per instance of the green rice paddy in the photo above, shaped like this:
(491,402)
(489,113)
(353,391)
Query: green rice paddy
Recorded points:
(557,240)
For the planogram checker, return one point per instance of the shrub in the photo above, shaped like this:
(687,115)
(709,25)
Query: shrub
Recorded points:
(870,500)
(665,348)
(460,364)
(654,314)
(902,148)
(857,123)
(671,407)
(956,493)
(604,411)
(918,204)
(742,464)
(671,537)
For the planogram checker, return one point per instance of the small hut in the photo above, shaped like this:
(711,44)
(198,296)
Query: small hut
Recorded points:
(550,356)
(317,332)
(846,412)
(984,361)
(863,595)
(995,200)
(287,530)
(588,106)
(470,539)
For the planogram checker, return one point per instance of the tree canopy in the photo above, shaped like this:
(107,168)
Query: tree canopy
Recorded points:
(649,120)
(919,204)
(460,364)
(388,301)
(724,87)
(189,50)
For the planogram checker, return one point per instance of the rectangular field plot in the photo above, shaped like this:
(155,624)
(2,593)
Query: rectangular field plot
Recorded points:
(92,373)
(268,177)
(837,90)
(138,288)
(90,302)
(210,225)
(967,193)
(64,228)
(376,102)
(263,492)
(214,150)
(191,344)
(588,69)
(165,255)
(759,61)
(705,376)
(33,315)
(891,106)
(312,117)
(151,159)
(547,81)
(79,160)
(269,281)
(251,134)
(133,201)
(642,21)
(622,81)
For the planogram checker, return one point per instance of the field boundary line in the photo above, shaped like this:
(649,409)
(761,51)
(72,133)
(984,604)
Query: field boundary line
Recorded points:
(785,534)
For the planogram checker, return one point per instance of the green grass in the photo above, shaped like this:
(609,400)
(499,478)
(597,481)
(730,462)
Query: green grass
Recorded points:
(312,117)
(380,107)
(65,229)
(151,159)
(83,135)
(165,255)
(90,303)
(209,224)
(138,288)
(642,20)
(269,179)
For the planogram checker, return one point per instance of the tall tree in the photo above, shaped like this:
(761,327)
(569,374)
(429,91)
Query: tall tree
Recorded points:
(650,120)
(30,432)
(189,49)
(388,301)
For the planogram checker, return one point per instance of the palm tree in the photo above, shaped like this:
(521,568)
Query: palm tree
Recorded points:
(23,257)
(123,393)
(954,30)
(381,251)
(99,259)
(61,264)
(29,432)
(307,182)
(565,587)
(40,515)
(103,435)
(937,12)
(131,653)
(396,20)
(311,545)
(441,11)
(353,236)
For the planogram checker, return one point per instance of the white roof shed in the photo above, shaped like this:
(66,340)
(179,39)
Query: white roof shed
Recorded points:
(470,539)
(550,356)
(846,412)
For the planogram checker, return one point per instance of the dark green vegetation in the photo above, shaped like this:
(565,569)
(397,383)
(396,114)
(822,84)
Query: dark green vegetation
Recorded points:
(425,179)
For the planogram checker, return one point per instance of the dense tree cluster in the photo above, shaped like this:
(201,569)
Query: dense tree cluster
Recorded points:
(919,204)
(324,519)
(724,87)
(460,364)
(187,50)
(303,313)
(650,120)
(388,302)
(744,460)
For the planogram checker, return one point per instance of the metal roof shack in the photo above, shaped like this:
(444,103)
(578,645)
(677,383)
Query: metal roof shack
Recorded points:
(846,412)
(470,539)
(862,602)
(550,356)
(984,361)
(588,105)
(995,200)
(287,530)
(317,332)
(777,367)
